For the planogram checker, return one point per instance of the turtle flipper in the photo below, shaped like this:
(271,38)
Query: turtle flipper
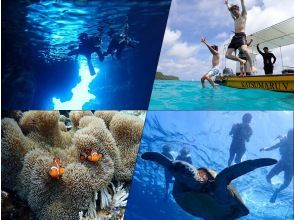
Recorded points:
(230,173)
(158,158)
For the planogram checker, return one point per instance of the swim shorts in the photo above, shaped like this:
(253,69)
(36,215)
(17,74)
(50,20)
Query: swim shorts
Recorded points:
(213,72)
(238,40)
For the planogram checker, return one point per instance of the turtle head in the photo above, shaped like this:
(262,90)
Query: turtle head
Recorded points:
(181,169)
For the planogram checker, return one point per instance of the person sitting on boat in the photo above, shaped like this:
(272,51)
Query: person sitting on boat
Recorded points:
(239,39)
(267,60)
(185,155)
(241,55)
(87,46)
(215,62)
(285,164)
(241,133)
(168,177)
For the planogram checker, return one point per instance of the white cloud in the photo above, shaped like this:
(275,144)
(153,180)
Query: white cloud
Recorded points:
(222,36)
(177,56)
(170,37)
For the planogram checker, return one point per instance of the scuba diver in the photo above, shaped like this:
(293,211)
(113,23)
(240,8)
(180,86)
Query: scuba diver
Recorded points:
(168,177)
(184,155)
(285,163)
(241,133)
(87,46)
(120,42)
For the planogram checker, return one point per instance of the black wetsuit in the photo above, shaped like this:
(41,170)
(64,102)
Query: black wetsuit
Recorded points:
(285,163)
(238,40)
(241,133)
(267,61)
(187,159)
(86,48)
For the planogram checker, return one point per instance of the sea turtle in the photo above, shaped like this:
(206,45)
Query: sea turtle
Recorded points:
(204,193)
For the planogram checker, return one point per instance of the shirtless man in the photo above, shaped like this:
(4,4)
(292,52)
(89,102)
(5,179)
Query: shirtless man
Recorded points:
(239,40)
(215,62)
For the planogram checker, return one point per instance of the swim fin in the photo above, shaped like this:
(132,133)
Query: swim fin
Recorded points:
(274,197)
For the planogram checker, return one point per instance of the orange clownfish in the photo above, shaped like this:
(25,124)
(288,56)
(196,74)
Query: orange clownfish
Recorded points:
(90,155)
(56,170)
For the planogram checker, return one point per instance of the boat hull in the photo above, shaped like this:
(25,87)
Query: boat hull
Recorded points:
(281,83)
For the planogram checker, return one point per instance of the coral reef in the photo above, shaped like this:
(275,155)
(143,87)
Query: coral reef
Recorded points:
(127,131)
(83,172)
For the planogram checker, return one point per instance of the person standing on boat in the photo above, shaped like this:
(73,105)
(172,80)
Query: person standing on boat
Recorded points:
(215,62)
(285,163)
(267,60)
(239,39)
(241,133)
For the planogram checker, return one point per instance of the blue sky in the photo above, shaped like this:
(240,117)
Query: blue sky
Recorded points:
(182,53)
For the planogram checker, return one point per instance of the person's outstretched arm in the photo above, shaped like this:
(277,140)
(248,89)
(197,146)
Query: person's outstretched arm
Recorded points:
(259,51)
(213,51)
(272,147)
(227,4)
(244,11)
(249,43)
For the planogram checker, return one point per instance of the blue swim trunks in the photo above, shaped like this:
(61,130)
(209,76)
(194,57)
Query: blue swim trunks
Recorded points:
(213,72)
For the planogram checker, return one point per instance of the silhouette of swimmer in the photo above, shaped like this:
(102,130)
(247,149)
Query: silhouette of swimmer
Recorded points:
(87,46)
(184,155)
(241,133)
(118,43)
(285,163)
(168,177)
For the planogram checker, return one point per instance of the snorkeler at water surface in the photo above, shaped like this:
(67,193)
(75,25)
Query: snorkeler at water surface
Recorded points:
(184,155)
(241,133)
(215,62)
(118,43)
(87,46)
(285,164)
(239,39)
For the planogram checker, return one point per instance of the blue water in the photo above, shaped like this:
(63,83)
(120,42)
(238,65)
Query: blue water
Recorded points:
(207,135)
(189,95)
(38,34)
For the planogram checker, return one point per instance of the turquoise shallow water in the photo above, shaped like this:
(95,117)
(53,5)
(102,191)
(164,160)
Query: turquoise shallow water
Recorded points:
(189,95)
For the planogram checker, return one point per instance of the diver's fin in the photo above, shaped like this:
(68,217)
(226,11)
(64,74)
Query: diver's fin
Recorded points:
(157,157)
(230,173)
(274,197)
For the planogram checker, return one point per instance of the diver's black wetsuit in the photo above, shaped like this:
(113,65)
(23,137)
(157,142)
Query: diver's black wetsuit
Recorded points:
(267,61)
(167,175)
(241,133)
(285,164)
(86,48)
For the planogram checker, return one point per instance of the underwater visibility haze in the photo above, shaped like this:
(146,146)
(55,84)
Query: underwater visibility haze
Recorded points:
(39,40)
(206,135)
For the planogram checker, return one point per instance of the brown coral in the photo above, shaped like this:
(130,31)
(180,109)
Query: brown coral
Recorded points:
(106,116)
(127,131)
(43,128)
(75,117)
(14,147)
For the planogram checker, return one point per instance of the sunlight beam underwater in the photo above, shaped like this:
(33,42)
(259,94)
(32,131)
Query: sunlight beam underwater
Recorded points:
(81,92)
